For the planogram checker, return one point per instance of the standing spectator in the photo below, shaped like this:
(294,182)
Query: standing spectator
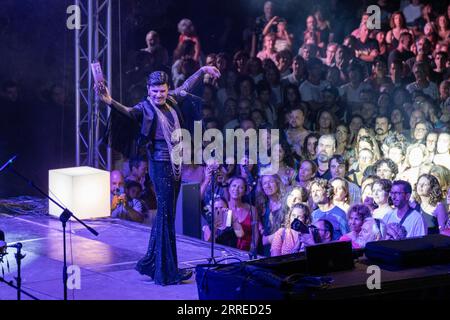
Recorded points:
(442,156)
(428,194)
(269,194)
(386,169)
(298,74)
(244,213)
(306,173)
(403,49)
(382,127)
(283,39)
(322,193)
(268,51)
(129,205)
(338,169)
(226,234)
(187,32)
(311,88)
(287,240)
(325,150)
(412,11)
(398,26)
(262,21)
(371,230)
(366,49)
(421,73)
(380,193)
(341,195)
(309,150)
(357,214)
(411,219)
(443,27)
(296,133)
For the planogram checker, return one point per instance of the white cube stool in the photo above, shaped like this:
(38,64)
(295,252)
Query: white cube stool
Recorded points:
(83,190)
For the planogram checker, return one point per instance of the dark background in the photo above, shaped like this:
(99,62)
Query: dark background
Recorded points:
(37,51)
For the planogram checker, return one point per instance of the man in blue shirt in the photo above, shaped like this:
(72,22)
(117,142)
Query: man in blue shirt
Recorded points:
(322,193)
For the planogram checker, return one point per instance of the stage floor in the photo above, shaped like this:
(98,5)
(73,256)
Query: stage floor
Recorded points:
(106,262)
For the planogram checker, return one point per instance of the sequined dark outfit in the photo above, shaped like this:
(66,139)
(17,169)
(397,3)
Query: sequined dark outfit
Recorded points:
(160,262)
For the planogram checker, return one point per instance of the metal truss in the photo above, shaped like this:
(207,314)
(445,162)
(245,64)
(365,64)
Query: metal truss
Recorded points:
(92,43)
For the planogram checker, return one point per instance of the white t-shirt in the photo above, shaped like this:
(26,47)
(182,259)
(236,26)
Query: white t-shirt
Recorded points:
(312,92)
(414,224)
(432,89)
(380,213)
(351,94)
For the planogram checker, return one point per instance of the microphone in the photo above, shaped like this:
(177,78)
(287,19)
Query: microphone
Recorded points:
(184,93)
(7,163)
(17,245)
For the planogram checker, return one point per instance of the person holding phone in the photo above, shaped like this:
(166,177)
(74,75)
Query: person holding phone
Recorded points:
(227,227)
(159,116)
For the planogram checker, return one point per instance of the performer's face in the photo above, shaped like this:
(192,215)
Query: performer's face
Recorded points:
(158,94)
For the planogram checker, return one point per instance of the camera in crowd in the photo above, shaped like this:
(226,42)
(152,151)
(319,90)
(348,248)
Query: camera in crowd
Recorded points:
(119,191)
(302,228)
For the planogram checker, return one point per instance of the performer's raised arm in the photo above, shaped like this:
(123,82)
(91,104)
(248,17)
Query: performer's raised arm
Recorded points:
(193,80)
(105,96)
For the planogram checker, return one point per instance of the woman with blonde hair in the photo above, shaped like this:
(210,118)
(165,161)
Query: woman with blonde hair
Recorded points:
(415,159)
(269,195)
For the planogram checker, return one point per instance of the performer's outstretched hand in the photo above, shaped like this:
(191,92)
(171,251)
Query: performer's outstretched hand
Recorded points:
(212,71)
(103,93)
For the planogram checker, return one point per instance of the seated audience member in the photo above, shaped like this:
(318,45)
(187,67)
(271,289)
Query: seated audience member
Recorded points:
(380,194)
(287,240)
(428,195)
(357,214)
(395,231)
(269,197)
(227,228)
(268,51)
(306,173)
(341,197)
(442,156)
(403,214)
(325,149)
(117,191)
(339,169)
(311,89)
(371,230)
(322,193)
(245,214)
(129,207)
(321,231)
(386,169)
(309,149)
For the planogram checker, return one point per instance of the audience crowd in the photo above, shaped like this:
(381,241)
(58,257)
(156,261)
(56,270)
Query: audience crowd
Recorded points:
(364,130)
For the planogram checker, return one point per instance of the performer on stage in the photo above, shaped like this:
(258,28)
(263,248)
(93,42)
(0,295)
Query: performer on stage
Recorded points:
(159,116)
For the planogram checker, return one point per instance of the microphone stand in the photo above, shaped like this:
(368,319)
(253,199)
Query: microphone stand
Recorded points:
(64,217)
(211,259)
(19,256)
